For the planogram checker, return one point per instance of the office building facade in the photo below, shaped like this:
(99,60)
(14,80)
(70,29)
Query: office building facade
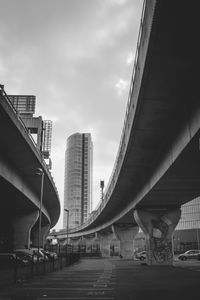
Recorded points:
(78,179)
(187,232)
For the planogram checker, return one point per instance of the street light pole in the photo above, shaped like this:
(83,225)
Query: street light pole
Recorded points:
(102,187)
(67,211)
(40,173)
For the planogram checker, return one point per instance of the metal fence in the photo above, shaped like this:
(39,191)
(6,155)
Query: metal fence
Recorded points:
(82,249)
(13,272)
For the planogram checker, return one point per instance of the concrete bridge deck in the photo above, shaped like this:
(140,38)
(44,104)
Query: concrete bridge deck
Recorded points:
(107,279)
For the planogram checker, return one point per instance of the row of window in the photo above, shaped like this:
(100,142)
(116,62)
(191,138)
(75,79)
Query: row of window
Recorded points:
(188,224)
(191,209)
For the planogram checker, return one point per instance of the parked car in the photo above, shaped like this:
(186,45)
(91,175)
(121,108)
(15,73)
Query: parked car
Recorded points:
(25,256)
(24,259)
(190,254)
(141,255)
(51,255)
(42,256)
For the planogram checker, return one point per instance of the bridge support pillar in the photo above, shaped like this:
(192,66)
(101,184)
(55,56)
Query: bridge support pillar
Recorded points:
(44,233)
(76,243)
(89,242)
(105,237)
(22,229)
(126,233)
(158,227)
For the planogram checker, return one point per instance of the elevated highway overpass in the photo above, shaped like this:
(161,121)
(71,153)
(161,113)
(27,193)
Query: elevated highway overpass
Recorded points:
(20,186)
(157,165)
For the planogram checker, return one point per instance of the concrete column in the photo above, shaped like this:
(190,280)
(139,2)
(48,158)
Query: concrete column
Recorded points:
(76,243)
(22,228)
(89,241)
(158,227)
(44,233)
(126,233)
(96,245)
(105,237)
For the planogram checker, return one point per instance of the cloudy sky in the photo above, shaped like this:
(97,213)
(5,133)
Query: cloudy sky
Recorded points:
(76,57)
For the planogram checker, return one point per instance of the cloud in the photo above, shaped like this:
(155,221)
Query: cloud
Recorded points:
(121,85)
(130,58)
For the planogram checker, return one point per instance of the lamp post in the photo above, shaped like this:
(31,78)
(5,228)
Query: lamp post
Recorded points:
(40,173)
(102,187)
(67,211)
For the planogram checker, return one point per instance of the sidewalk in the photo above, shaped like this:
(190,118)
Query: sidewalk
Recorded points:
(109,279)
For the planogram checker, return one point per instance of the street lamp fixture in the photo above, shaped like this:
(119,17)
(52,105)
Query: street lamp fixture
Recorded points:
(40,172)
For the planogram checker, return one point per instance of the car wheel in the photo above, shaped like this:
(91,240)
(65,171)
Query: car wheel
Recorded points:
(184,258)
(142,258)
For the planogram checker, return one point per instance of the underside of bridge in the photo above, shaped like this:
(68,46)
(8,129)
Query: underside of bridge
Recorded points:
(20,186)
(157,167)
(160,168)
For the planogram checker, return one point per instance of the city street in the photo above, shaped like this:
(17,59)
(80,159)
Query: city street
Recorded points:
(107,279)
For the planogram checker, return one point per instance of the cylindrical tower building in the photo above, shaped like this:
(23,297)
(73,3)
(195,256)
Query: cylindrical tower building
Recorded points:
(78,179)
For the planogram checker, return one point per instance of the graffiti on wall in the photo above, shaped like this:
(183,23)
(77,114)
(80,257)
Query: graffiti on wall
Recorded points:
(161,247)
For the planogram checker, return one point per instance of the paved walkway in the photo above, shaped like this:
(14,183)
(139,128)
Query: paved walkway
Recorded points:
(109,279)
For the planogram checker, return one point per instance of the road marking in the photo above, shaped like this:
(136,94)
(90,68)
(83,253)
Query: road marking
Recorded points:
(100,285)
(98,293)
(67,289)
(76,298)
(61,284)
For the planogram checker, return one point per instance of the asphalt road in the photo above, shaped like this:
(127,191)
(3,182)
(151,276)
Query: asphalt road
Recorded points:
(108,279)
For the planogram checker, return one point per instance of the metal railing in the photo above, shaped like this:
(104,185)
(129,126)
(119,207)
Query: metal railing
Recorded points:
(15,272)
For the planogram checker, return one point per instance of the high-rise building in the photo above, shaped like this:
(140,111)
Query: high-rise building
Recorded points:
(78,179)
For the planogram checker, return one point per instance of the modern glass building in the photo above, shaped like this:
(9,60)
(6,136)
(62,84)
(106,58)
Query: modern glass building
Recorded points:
(187,232)
(78,179)
(190,215)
